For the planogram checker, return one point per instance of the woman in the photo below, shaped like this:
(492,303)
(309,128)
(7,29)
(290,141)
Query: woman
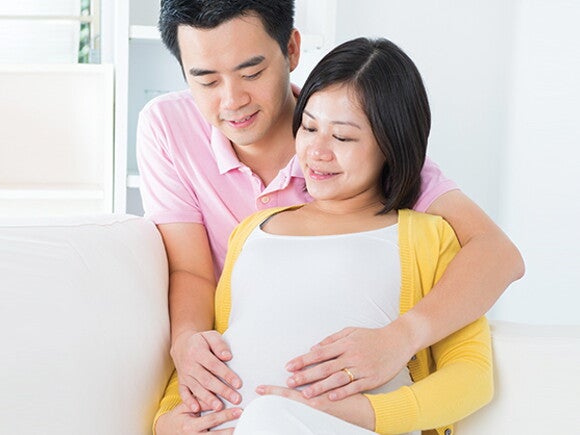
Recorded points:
(361,123)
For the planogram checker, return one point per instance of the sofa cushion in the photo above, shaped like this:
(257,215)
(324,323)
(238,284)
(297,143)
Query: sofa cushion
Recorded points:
(537,382)
(85,328)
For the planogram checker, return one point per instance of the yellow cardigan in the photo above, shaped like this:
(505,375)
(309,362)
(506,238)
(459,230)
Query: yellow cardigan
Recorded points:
(452,378)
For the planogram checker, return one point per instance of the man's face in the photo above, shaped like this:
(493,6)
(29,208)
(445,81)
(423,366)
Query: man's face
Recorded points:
(239,78)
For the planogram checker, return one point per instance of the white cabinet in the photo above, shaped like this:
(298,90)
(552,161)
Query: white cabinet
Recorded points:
(145,69)
(56,139)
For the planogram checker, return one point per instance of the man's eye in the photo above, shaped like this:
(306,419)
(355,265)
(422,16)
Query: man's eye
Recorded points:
(208,85)
(253,76)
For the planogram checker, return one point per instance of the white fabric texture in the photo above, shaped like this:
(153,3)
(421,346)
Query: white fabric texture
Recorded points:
(290,292)
(274,415)
(83,325)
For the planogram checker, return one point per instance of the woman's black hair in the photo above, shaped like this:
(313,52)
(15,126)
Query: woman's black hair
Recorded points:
(389,89)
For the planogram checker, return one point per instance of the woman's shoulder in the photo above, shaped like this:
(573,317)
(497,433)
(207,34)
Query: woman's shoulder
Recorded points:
(419,218)
(420,224)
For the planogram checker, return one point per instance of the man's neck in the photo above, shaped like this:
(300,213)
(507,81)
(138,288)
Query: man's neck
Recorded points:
(273,152)
(266,160)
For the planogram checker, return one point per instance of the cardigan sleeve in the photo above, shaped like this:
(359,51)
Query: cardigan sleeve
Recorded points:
(461,380)
(170,399)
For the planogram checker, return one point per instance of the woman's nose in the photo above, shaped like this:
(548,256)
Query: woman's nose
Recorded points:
(320,151)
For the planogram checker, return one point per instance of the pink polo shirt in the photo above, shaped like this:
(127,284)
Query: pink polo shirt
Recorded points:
(190,173)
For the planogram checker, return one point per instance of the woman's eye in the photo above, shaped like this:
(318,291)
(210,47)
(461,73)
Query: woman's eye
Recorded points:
(308,129)
(342,139)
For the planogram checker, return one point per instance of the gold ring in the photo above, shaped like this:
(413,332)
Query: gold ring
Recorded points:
(349,373)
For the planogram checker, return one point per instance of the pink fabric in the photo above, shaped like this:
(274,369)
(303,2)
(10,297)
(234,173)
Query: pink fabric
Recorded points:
(190,173)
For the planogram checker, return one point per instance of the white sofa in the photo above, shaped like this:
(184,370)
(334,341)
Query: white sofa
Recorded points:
(85,332)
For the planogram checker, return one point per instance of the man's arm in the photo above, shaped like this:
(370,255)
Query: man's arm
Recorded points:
(478,275)
(487,263)
(197,351)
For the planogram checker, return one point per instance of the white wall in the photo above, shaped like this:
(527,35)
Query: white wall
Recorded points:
(540,206)
(502,77)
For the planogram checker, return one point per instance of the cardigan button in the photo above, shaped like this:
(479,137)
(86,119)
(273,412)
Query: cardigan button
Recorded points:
(447,431)
(413,358)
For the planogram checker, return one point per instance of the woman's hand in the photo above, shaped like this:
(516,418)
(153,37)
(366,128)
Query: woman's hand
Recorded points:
(371,356)
(355,409)
(181,421)
(200,363)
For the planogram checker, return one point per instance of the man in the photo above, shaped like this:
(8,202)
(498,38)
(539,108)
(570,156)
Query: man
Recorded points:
(211,156)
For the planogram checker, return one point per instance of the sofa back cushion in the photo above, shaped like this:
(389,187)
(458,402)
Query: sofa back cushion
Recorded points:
(84,325)
(537,382)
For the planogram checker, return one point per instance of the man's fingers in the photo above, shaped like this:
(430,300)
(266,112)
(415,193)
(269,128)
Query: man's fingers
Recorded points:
(335,380)
(333,338)
(205,386)
(218,345)
(219,369)
(317,355)
(188,399)
(315,373)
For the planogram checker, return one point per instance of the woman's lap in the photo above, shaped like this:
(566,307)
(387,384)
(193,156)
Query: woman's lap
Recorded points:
(269,415)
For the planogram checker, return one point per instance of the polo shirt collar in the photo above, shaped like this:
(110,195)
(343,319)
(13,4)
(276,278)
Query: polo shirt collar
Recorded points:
(293,168)
(225,156)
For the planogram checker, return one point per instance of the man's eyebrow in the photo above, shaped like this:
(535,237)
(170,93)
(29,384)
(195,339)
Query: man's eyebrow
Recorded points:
(256,60)
(354,124)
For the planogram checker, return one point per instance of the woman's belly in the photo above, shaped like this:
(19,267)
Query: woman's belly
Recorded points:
(289,293)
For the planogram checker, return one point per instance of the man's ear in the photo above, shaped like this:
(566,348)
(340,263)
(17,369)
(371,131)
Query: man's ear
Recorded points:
(294,49)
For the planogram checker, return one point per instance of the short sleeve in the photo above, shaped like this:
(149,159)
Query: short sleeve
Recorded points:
(433,185)
(166,199)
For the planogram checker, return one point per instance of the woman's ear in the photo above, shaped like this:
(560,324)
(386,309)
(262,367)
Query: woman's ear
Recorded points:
(294,49)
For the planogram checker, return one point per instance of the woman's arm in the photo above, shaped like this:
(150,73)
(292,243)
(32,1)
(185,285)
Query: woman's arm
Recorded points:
(461,384)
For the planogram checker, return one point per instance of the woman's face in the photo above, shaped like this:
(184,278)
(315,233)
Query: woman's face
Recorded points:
(336,147)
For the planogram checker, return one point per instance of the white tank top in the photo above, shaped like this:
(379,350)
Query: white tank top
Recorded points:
(290,292)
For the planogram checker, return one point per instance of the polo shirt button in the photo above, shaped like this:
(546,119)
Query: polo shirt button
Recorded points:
(265,199)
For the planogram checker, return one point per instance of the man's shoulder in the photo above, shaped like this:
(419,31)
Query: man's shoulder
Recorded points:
(175,112)
(172,102)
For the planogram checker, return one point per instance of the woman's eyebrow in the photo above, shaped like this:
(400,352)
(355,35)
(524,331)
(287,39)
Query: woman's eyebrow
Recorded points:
(351,123)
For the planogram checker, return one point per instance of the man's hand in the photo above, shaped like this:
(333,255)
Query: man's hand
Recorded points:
(372,356)
(181,421)
(199,360)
